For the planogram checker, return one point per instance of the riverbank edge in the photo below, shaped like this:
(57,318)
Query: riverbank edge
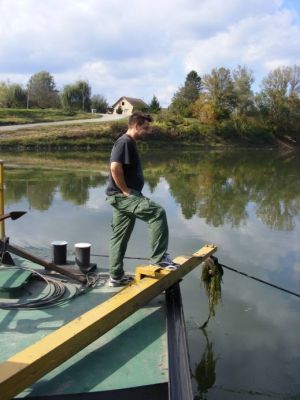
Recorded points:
(142,146)
(103,134)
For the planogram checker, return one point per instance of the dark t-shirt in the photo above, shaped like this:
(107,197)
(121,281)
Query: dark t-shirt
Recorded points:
(125,152)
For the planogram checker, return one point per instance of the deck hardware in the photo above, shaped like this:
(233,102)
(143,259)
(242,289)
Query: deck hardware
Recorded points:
(82,257)
(59,252)
(18,251)
(13,215)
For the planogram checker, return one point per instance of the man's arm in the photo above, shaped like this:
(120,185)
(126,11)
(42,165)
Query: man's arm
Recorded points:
(117,173)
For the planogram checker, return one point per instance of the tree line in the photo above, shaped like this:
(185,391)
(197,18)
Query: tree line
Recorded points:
(223,99)
(227,96)
(41,92)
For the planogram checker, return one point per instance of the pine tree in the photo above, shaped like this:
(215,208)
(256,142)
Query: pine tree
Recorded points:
(187,94)
(154,105)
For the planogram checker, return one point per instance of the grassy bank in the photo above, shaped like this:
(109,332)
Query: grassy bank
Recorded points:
(12,116)
(87,136)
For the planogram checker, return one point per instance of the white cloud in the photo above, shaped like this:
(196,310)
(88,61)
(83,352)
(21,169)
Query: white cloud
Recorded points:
(142,48)
(262,43)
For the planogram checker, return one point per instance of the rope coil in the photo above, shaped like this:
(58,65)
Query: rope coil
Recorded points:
(58,290)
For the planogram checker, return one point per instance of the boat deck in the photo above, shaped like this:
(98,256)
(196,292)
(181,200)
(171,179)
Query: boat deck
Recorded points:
(131,355)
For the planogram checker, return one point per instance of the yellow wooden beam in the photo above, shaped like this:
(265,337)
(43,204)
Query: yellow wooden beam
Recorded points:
(29,365)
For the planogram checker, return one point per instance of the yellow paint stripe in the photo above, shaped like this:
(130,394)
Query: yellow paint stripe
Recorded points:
(29,365)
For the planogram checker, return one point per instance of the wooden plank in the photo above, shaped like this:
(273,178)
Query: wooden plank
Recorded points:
(29,365)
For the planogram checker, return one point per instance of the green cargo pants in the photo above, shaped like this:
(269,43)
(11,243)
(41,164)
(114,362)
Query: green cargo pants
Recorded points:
(125,211)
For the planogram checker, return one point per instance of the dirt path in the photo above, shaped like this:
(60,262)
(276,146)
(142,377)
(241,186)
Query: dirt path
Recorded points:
(104,118)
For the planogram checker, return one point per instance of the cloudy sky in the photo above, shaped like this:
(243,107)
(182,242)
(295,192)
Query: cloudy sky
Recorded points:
(137,48)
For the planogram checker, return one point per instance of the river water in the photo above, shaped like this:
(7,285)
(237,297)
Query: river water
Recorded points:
(246,202)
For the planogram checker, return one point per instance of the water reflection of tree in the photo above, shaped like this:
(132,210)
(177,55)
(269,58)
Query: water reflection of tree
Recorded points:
(14,191)
(76,188)
(39,187)
(221,187)
(205,371)
(40,194)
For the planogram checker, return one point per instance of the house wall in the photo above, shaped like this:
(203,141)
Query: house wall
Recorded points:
(126,107)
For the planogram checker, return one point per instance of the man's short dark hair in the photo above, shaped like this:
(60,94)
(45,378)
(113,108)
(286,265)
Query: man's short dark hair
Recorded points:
(139,118)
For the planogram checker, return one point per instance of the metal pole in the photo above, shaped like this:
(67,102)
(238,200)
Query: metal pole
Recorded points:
(2,223)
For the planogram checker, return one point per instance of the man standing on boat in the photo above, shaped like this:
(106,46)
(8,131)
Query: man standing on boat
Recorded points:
(124,194)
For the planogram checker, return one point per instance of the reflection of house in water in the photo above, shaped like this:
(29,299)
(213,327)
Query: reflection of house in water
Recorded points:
(126,105)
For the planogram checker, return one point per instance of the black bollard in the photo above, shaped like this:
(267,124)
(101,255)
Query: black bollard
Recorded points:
(82,258)
(59,252)
(83,252)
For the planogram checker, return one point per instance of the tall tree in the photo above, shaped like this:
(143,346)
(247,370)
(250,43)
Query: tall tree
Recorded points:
(41,91)
(3,94)
(154,105)
(99,103)
(85,94)
(220,92)
(192,86)
(279,100)
(243,80)
(77,96)
(70,98)
(187,94)
(12,95)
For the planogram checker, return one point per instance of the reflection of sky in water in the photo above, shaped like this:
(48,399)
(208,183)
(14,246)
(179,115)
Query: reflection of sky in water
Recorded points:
(255,335)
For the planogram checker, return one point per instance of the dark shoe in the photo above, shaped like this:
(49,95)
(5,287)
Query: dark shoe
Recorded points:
(167,263)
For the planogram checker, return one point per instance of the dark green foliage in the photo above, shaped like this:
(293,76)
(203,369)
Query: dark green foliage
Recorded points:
(140,108)
(242,81)
(41,91)
(186,95)
(225,101)
(12,95)
(99,103)
(220,92)
(169,117)
(77,96)
(85,90)
(119,110)
(154,105)
(192,86)
(279,101)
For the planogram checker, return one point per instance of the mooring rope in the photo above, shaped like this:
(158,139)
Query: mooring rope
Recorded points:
(56,290)
(126,257)
(259,280)
(222,265)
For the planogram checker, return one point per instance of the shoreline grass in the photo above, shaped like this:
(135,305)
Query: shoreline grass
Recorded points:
(14,116)
(102,134)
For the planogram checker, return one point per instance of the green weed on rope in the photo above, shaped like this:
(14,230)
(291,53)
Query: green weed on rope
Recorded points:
(211,279)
